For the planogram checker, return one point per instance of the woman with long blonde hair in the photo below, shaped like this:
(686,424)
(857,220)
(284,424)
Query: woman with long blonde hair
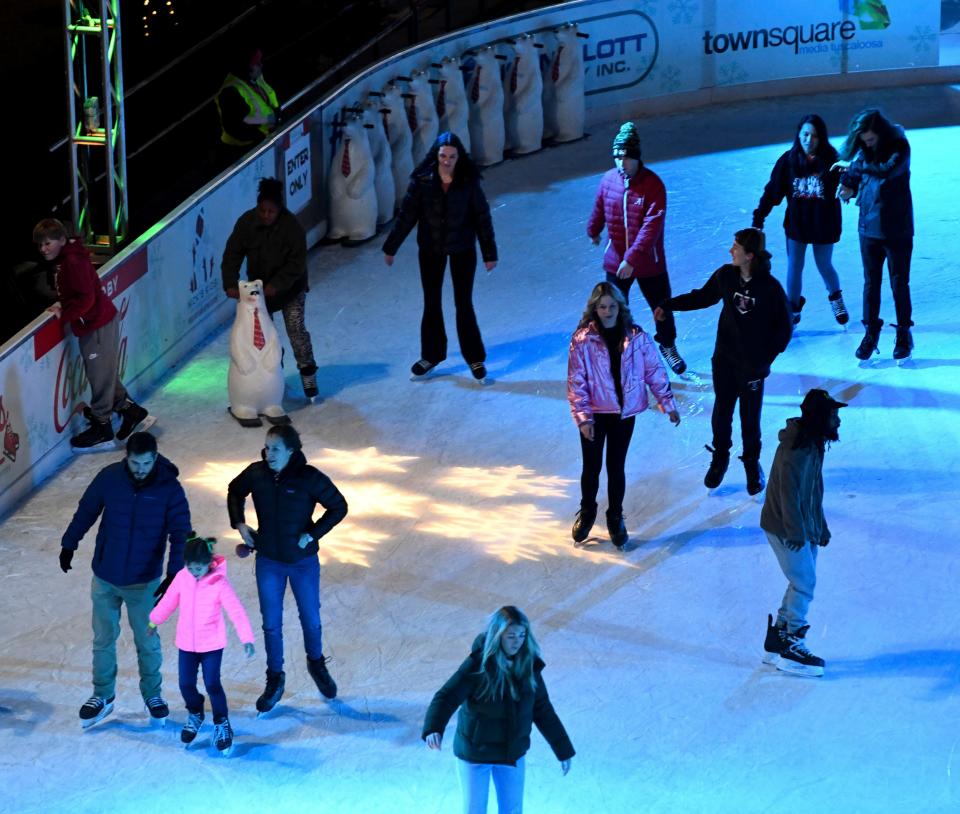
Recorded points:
(500,694)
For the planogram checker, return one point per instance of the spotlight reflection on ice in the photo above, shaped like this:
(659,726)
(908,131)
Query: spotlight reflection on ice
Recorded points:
(505,481)
(359,461)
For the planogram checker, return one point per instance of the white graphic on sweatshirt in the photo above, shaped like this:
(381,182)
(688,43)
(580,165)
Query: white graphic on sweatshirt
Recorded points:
(809,186)
(743,302)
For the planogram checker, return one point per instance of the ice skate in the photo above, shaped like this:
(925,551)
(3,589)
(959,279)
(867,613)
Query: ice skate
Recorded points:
(133,418)
(321,676)
(672,357)
(479,371)
(420,369)
(95,709)
(775,641)
(158,709)
(869,345)
(903,348)
(756,479)
(272,693)
(586,517)
(308,378)
(617,530)
(190,729)
(795,658)
(839,309)
(98,437)
(796,308)
(223,737)
(718,468)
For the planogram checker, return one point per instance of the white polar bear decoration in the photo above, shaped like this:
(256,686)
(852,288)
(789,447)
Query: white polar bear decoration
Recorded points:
(523,94)
(485,97)
(452,105)
(353,195)
(255,378)
(422,115)
(400,138)
(382,158)
(566,111)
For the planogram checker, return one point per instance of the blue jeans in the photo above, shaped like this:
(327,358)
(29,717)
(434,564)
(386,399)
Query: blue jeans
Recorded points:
(304,577)
(210,663)
(800,569)
(822,254)
(475,784)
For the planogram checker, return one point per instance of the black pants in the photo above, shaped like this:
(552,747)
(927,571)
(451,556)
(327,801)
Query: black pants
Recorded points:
(729,386)
(210,663)
(616,432)
(433,336)
(655,290)
(897,254)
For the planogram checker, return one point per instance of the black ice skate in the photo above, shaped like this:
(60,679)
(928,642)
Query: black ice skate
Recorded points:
(586,517)
(420,369)
(617,529)
(133,418)
(190,729)
(95,709)
(479,371)
(308,377)
(273,692)
(672,357)
(756,480)
(870,341)
(796,308)
(223,737)
(796,658)
(321,676)
(904,344)
(718,468)
(775,641)
(839,309)
(158,710)
(98,437)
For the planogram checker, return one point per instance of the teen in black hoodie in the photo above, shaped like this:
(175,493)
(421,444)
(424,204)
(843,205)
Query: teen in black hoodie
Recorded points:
(754,328)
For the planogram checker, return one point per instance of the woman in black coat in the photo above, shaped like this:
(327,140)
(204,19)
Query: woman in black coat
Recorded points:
(448,206)
(500,693)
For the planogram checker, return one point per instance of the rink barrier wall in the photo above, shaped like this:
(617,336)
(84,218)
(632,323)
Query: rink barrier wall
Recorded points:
(639,59)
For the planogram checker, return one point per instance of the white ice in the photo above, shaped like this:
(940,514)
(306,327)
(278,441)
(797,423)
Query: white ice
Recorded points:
(461,500)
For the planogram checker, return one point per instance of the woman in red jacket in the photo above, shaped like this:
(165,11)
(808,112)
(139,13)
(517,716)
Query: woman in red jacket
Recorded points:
(611,363)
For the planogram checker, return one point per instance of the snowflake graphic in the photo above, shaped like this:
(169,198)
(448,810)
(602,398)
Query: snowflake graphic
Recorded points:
(681,11)
(922,38)
(732,74)
(670,78)
(648,6)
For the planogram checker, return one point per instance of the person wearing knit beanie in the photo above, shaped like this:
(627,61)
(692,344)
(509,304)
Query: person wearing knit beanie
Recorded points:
(632,204)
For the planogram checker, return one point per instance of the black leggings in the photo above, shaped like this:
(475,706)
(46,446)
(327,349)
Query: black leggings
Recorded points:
(617,432)
(433,336)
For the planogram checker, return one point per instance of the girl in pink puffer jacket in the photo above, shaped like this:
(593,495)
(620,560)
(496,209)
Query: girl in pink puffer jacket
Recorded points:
(201,590)
(612,363)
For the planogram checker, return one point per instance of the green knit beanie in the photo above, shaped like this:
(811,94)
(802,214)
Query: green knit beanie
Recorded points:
(627,141)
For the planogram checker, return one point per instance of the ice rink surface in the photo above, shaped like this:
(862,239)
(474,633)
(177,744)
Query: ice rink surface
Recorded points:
(461,500)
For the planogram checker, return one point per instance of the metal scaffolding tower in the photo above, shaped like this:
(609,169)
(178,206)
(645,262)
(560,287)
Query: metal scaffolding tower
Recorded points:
(97,148)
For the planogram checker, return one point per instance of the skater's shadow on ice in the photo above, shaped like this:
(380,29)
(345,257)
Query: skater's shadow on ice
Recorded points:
(21,712)
(333,379)
(941,666)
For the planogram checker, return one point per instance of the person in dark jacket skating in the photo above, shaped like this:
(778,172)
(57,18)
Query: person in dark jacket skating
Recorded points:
(142,505)
(804,175)
(285,491)
(792,518)
(274,245)
(754,328)
(446,203)
(876,161)
(632,203)
(500,693)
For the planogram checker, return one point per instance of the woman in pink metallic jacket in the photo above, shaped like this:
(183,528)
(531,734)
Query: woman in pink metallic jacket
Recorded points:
(612,361)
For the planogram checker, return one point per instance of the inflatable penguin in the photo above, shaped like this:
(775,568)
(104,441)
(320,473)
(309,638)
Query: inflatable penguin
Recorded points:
(523,94)
(452,100)
(422,115)
(567,108)
(351,186)
(382,159)
(400,139)
(255,378)
(485,97)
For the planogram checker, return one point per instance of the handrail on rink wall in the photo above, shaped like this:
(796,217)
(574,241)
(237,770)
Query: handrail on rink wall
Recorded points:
(166,284)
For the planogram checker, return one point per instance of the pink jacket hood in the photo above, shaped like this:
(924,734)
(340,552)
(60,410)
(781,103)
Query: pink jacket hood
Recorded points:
(590,385)
(200,626)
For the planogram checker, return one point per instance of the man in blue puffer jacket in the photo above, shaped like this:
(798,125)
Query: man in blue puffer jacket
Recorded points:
(143,504)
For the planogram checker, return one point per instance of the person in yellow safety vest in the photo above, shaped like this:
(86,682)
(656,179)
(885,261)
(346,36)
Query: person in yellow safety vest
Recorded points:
(247,104)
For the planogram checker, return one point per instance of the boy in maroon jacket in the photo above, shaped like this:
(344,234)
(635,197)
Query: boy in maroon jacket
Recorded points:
(88,310)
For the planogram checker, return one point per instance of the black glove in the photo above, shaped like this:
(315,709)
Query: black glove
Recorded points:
(162,589)
(824,542)
(66,557)
(793,545)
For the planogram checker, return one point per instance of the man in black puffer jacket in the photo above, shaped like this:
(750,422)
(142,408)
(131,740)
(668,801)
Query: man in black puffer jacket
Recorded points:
(285,491)
(142,504)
